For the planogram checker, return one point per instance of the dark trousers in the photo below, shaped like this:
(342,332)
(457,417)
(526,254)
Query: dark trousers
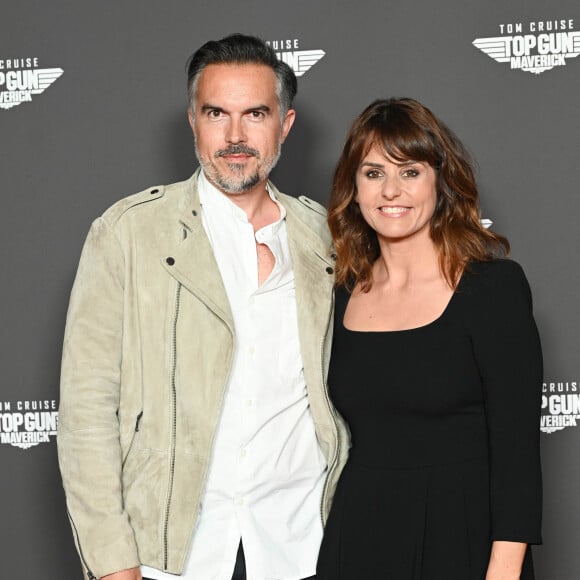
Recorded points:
(240,567)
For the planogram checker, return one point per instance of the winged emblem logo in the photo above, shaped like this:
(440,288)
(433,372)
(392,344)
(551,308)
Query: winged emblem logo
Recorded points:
(301,61)
(306,59)
(18,86)
(46,77)
(530,53)
(496,48)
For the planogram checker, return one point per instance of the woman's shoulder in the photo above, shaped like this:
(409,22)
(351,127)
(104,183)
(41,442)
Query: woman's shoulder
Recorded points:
(498,272)
(341,296)
(494,279)
(497,267)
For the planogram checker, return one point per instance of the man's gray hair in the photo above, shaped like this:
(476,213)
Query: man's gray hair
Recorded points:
(242,49)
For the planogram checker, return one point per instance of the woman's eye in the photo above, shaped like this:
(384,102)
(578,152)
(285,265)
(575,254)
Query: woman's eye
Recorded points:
(373,174)
(410,173)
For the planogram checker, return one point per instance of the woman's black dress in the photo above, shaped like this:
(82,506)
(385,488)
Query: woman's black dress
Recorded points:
(445,431)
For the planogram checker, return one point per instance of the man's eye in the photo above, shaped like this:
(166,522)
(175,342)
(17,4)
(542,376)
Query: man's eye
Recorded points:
(256,114)
(215,114)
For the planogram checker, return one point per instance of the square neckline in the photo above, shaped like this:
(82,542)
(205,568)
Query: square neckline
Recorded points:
(425,326)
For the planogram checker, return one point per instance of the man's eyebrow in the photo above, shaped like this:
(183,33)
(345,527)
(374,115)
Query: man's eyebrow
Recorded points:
(209,107)
(263,108)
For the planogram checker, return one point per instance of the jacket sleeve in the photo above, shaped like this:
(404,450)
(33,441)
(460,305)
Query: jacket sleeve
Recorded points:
(88,432)
(509,357)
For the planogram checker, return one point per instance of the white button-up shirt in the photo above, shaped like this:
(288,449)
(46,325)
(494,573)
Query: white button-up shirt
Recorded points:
(266,474)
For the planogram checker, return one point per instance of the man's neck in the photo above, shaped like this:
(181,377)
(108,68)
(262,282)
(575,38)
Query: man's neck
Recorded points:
(256,203)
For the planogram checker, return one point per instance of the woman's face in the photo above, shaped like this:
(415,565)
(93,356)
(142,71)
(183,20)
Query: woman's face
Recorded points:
(397,199)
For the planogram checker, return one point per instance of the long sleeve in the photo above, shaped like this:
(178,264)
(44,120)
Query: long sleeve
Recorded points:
(509,358)
(88,437)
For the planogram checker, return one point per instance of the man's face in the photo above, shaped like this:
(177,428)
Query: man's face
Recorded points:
(237,127)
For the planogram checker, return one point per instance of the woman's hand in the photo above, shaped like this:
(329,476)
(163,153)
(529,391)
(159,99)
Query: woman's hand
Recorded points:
(505,562)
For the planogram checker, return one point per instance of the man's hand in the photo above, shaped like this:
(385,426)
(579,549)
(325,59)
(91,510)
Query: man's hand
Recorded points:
(130,574)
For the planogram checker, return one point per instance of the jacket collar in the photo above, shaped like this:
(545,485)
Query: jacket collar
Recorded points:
(195,267)
(192,261)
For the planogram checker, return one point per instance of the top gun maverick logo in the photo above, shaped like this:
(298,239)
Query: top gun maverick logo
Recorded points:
(300,61)
(534,47)
(26,424)
(560,405)
(20,78)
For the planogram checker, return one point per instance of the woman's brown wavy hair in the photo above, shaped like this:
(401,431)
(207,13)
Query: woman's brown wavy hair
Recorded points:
(406,130)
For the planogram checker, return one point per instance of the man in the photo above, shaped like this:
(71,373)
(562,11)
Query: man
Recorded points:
(196,437)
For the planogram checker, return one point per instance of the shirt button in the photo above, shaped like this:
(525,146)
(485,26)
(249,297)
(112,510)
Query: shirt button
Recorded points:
(251,350)
(249,402)
(243,453)
(241,501)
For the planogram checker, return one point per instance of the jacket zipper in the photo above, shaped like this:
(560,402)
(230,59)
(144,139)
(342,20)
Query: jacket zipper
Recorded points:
(173,426)
(332,463)
(211,443)
(135,431)
(90,574)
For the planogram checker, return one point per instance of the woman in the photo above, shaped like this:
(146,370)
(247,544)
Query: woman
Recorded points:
(436,365)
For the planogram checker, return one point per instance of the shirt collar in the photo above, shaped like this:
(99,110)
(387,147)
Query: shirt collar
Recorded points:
(213,199)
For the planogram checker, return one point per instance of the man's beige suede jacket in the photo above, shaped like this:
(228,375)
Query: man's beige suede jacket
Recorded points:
(147,354)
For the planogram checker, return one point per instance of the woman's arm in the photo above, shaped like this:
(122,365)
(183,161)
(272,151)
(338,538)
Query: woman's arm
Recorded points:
(505,562)
(509,357)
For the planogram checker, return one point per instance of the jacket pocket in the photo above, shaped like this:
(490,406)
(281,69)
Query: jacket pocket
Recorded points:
(133,437)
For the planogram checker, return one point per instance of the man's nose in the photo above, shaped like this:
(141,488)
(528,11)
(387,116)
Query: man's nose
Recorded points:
(236,132)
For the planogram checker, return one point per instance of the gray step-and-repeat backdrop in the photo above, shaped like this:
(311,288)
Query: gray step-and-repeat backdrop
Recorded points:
(92,108)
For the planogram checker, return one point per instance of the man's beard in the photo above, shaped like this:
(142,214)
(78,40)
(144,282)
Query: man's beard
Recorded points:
(236,181)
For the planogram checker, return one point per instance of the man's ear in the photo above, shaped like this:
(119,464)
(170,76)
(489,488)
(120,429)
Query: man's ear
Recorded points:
(287,124)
